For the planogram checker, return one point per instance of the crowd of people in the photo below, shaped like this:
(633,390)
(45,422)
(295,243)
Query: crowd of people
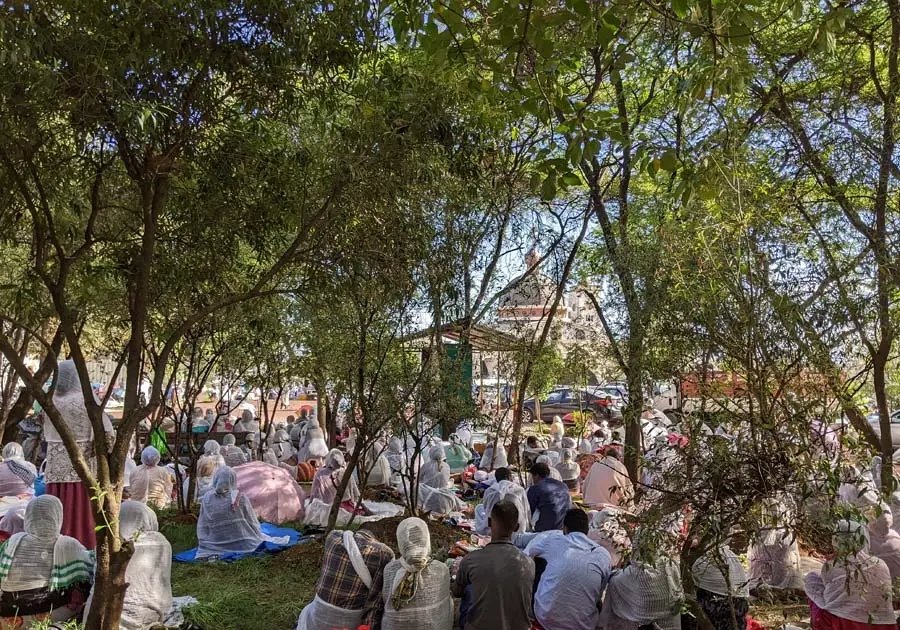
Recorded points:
(562,542)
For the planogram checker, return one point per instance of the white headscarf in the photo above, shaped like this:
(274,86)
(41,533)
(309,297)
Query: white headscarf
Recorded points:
(150,456)
(414,542)
(13,450)
(334,460)
(710,576)
(211,447)
(135,517)
(225,483)
(229,440)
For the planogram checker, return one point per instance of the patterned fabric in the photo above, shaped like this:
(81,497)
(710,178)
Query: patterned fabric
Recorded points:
(340,586)
(719,610)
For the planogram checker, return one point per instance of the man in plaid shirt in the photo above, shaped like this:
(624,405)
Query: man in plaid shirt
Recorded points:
(339,584)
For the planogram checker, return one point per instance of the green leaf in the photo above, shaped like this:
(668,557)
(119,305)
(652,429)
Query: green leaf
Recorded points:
(581,7)
(668,161)
(548,188)
(681,8)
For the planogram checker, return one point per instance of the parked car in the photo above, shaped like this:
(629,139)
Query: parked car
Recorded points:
(895,426)
(563,401)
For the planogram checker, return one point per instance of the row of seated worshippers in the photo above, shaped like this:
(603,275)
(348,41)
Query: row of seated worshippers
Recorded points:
(578,586)
(46,577)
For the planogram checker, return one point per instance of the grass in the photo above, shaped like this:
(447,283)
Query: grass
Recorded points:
(254,593)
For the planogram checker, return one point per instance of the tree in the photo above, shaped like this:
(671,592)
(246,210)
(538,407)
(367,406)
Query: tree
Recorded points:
(157,152)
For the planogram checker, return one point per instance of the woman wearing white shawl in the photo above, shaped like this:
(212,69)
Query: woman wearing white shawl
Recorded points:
(40,570)
(608,483)
(207,465)
(150,482)
(62,480)
(607,530)
(722,594)
(557,431)
(396,457)
(227,522)
(16,475)
(500,491)
(436,472)
(647,591)
(568,469)
(416,588)
(232,455)
(375,466)
(885,542)
(852,587)
(490,461)
(315,447)
(282,448)
(148,598)
(774,554)
(328,479)
(248,423)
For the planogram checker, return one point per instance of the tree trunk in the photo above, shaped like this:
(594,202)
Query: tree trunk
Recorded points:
(109,576)
(631,415)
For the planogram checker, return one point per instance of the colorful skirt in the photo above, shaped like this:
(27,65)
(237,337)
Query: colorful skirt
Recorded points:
(78,519)
(823,620)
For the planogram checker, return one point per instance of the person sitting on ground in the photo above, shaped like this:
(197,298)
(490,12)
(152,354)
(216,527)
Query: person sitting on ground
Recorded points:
(283,450)
(227,522)
(207,466)
(853,590)
(315,447)
(608,531)
(436,473)
(569,471)
(248,423)
(232,455)
(548,499)
(545,459)
(16,475)
(328,479)
(774,554)
(13,521)
(250,448)
(150,482)
(608,482)
(416,588)
(491,460)
(531,443)
(396,459)
(647,592)
(574,578)
(496,581)
(503,489)
(44,576)
(378,471)
(458,456)
(349,590)
(722,588)
(148,598)
(884,541)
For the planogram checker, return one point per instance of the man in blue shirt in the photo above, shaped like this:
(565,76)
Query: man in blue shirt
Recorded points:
(548,498)
(577,570)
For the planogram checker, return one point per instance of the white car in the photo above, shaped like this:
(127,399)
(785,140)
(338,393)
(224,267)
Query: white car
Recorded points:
(895,426)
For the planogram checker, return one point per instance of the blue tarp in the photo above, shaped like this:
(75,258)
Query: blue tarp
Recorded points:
(265,548)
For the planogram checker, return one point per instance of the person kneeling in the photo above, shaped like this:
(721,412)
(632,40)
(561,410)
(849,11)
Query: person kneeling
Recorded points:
(43,575)
(349,590)
(227,522)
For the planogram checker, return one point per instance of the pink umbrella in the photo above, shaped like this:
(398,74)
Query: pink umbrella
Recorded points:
(274,494)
